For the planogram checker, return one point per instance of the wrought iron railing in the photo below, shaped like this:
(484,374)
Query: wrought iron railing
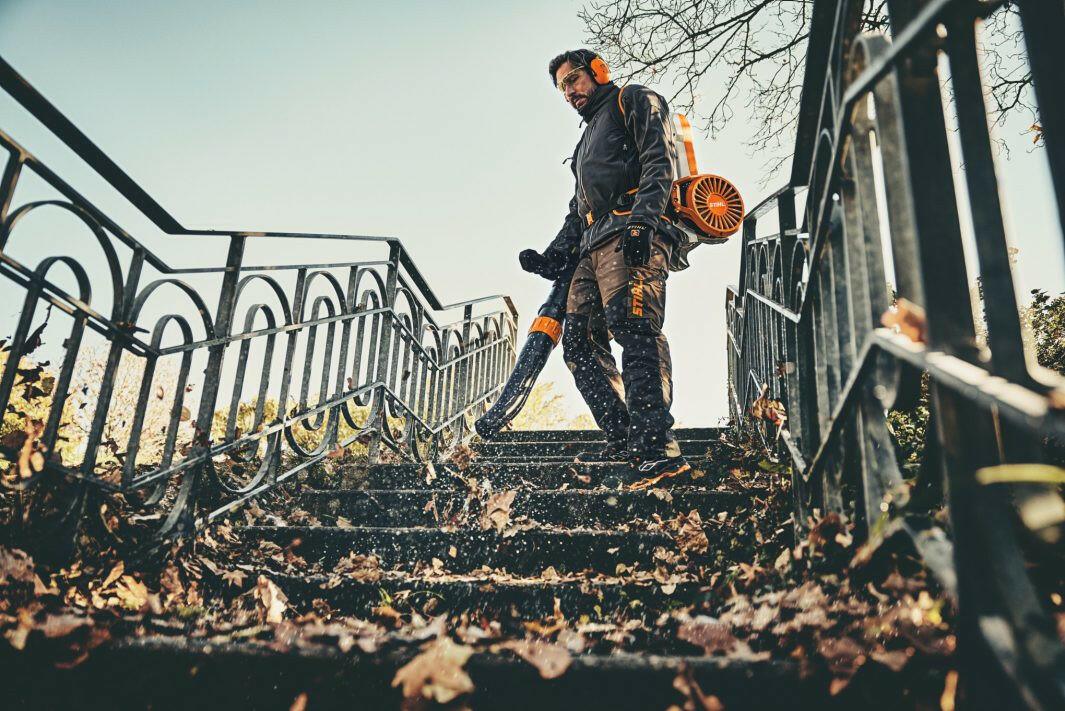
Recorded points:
(810,355)
(298,360)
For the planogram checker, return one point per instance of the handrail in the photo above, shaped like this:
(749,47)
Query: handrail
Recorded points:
(64,129)
(804,331)
(361,351)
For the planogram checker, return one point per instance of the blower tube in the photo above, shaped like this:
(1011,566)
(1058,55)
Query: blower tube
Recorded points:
(543,336)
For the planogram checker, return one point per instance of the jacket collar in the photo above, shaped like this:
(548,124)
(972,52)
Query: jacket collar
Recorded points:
(597,100)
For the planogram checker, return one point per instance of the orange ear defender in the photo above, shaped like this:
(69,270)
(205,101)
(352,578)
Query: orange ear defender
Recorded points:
(600,71)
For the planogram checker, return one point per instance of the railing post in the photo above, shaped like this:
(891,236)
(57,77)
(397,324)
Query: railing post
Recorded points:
(7,184)
(463,397)
(114,359)
(223,322)
(384,347)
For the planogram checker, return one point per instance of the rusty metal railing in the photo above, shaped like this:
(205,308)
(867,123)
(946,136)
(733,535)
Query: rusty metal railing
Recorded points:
(298,361)
(820,349)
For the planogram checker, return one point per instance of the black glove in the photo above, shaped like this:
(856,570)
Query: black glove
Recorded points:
(635,244)
(548,265)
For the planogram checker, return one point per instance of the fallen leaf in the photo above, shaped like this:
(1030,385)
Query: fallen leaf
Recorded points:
(437,672)
(551,660)
(31,457)
(688,533)
(364,568)
(497,511)
(272,602)
(62,625)
(895,660)
(712,635)
(908,319)
(235,577)
(15,566)
(132,593)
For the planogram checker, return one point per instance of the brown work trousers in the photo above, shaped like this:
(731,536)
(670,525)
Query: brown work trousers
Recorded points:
(608,299)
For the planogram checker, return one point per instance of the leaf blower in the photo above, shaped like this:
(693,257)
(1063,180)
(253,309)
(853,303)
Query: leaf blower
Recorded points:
(544,335)
(706,207)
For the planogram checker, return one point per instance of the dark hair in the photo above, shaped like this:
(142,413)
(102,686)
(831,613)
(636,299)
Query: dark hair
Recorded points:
(576,57)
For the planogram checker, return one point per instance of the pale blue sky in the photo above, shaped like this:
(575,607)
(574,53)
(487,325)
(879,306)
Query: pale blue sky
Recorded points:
(433,122)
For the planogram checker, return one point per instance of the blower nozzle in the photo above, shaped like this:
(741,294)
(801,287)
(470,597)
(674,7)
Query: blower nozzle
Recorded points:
(544,335)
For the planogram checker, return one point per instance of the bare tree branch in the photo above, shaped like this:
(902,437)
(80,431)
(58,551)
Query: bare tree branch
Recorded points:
(707,55)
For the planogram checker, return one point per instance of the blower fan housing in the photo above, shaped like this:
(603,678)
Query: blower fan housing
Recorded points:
(709,203)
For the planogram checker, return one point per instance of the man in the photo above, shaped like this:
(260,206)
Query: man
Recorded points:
(615,232)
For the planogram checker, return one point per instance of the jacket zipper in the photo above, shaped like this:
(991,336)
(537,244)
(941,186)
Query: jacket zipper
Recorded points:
(580,179)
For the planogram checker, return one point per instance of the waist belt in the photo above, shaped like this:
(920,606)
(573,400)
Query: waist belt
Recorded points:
(622,206)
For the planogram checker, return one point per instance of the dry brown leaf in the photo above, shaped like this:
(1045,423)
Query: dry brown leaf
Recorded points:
(460,456)
(763,408)
(688,533)
(31,457)
(551,660)
(364,568)
(132,593)
(894,660)
(16,566)
(497,511)
(272,603)
(235,577)
(712,635)
(908,319)
(62,625)
(437,672)
(844,656)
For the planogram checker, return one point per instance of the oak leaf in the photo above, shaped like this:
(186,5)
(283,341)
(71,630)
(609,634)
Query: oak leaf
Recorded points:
(437,672)
(497,511)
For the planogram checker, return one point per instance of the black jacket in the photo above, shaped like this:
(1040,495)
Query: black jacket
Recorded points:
(627,144)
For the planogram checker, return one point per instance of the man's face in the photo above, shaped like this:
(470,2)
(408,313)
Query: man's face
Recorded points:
(576,84)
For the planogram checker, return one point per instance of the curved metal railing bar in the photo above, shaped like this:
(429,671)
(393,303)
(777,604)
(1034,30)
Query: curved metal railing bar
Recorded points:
(341,348)
(808,351)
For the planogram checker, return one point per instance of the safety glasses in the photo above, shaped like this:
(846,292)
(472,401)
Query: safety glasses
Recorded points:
(570,79)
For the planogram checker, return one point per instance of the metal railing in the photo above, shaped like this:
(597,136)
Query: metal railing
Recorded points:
(808,351)
(334,354)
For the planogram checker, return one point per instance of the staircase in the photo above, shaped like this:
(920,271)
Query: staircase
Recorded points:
(563,560)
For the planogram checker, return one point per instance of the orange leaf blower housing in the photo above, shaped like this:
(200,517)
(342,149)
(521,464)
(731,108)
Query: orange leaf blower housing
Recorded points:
(709,204)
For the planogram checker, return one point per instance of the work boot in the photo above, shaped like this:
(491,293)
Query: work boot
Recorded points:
(612,452)
(648,473)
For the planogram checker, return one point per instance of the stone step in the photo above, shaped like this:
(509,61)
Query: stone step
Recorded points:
(536,450)
(507,599)
(573,508)
(682,433)
(525,552)
(530,475)
(182,673)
